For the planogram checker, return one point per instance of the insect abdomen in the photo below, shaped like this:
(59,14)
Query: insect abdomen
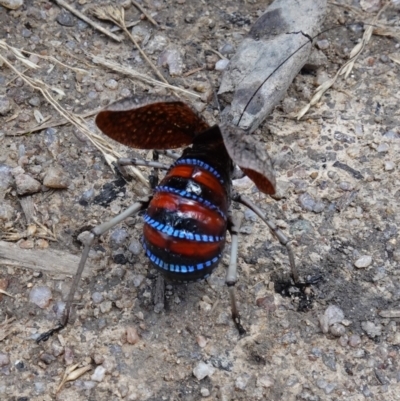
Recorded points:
(186,221)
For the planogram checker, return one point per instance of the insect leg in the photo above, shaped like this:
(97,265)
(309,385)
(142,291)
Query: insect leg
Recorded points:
(95,233)
(135,161)
(231,274)
(169,153)
(275,231)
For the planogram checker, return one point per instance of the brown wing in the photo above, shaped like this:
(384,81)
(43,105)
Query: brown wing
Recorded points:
(249,155)
(151,123)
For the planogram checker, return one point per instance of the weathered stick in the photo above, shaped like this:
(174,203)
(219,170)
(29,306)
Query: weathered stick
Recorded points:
(48,260)
(269,54)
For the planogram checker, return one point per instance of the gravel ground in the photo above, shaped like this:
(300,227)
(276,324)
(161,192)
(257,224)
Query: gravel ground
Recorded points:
(338,185)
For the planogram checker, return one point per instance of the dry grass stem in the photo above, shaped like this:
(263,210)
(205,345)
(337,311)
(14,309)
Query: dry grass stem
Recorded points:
(83,17)
(137,75)
(346,67)
(117,16)
(109,153)
(72,373)
(142,10)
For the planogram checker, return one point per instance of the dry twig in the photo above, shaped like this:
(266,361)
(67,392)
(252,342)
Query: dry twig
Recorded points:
(346,68)
(95,25)
(142,10)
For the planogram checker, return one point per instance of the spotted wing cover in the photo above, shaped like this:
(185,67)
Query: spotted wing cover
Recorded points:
(250,156)
(151,123)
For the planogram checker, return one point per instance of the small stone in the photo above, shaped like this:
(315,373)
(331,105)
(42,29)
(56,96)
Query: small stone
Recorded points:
(201,341)
(4,359)
(363,262)
(56,179)
(306,202)
(118,237)
(41,296)
(337,330)
(105,306)
(205,392)
(111,84)
(68,356)
(11,4)
(333,314)
(383,148)
(354,340)
(42,243)
(99,373)
(26,244)
(97,297)
(372,330)
(242,381)
(65,18)
(323,44)
(329,360)
(227,49)
(265,381)
(26,184)
(132,336)
(202,370)
(34,101)
(135,247)
(172,59)
(5,106)
(47,358)
(389,166)
(221,65)
(343,340)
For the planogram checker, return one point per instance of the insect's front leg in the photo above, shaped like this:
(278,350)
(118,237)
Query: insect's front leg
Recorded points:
(275,231)
(95,233)
(234,223)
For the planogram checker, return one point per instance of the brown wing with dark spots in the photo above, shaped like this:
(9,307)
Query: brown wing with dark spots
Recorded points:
(150,123)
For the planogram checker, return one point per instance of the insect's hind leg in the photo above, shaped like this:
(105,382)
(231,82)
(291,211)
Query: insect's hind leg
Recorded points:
(95,233)
(275,231)
(231,274)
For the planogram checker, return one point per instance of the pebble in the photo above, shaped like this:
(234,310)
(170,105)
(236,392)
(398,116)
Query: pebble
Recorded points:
(97,297)
(55,178)
(99,373)
(202,370)
(118,237)
(333,314)
(6,179)
(26,244)
(205,392)
(329,360)
(132,336)
(4,359)
(105,306)
(354,340)
(42,243)
(383,148)
(389,166)
(363,262)
(265,381)
(201,341)
(12,4)
(34,101)
(41,296)
(227,48)
(172,59)
(242,381)
(111,84)
(337,330)
(26,184)
(157,44)
(372,330)
(40,387)
(323,44)
(5,105)
(135,247)
(65,18)
(68,356)
(221,65)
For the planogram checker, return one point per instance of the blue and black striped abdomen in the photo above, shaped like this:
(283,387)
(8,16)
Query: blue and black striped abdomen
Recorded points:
(186,221)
